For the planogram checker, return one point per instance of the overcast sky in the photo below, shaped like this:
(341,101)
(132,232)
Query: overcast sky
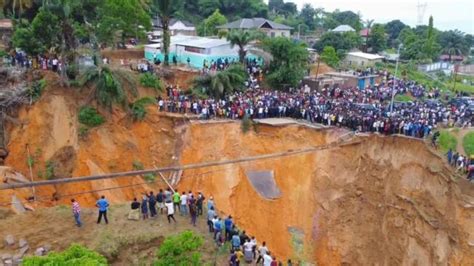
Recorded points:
(447,14)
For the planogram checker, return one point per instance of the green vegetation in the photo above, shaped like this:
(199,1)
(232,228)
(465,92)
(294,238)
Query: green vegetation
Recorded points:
(109,85)
(447,141)
(49,170)
(150,80)
(137,166)
(90,117)
(289,64)
(74,255)
(468,143)
(341,42)
(329,56)
(241,39)
(208,26)
(246,124)
(180,249)
(3,53)
(138,108)
(403,98)
(223,82)
(36,89)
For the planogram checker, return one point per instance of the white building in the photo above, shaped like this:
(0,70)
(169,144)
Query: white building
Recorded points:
(272,29)
(360,59)
(343,29)
(176,27)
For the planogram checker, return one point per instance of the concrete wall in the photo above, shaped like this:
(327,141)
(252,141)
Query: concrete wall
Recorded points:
(360,61)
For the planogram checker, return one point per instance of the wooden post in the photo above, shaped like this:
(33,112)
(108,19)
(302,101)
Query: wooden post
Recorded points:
(31,171)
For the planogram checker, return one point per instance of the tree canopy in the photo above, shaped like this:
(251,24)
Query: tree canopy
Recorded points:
(289,64)
(342,42)
(180,249)
(208,26)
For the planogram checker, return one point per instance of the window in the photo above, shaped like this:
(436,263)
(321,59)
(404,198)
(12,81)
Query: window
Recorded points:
(272,34)
(195,50)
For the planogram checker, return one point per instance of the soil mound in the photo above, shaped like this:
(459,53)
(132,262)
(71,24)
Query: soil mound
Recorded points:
(382,200)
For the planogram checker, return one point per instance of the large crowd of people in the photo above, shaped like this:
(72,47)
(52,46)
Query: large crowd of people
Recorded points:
(243,247)
(360,109)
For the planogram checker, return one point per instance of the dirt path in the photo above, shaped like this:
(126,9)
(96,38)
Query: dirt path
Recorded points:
(122,241)
(459,134)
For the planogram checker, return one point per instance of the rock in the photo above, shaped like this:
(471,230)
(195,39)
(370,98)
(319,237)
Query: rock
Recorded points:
(9,240)
(17,259)
(47,248)
(471,243)
(8,262)
(23,250)
(28,207)
(325,206)
(17,205)
(40,251)
(6,257)
(22,242)
(398,222)
(359,193)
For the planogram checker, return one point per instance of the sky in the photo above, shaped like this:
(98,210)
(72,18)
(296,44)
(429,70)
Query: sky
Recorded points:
(447,14)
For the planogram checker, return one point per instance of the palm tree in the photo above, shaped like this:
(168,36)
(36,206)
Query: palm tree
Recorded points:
(166,10)
(241,39)
(223,82)
(109,85)
(452,41)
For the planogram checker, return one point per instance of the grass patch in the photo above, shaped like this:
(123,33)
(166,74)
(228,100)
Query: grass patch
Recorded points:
(36,89)
(246,124)
(447,141)
(468,143)
(138,108)
(90,117)
(403,98)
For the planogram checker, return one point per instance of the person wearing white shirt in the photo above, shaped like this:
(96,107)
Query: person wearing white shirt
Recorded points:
(183,206)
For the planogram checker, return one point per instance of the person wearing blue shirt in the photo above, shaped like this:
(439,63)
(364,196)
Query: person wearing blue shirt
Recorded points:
(235,241)
(228,227)
(103,205)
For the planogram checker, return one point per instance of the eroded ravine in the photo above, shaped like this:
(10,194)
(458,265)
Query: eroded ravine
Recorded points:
(386,200)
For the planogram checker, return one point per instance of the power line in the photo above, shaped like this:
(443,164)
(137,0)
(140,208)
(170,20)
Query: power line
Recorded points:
(174,168)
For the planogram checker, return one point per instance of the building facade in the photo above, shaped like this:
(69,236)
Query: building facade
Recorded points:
(270,28)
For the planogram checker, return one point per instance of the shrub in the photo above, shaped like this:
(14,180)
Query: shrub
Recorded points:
(246,124)
(180,249)
(74,255)
(150,81)
(49,170)
(72,71)
(83,130)
(149,177)
(36,89)
(137,165)
(3,53)
(138,108)
(447,141)
(90,117)
(468,143)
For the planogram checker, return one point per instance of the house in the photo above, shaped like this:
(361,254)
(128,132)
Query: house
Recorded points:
(6,31)
(270,28)
(360,59)
(197,50)
(343,29)
(365,33)
(352,80)
(176,27)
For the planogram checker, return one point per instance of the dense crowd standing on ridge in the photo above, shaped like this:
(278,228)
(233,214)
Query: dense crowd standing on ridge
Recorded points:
(360,109)
(243,247)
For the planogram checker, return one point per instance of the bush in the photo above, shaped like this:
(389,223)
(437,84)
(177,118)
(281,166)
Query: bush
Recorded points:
(468,143)
(72,71)
(137,165)
(180,249)
(74,255)
(90,117)
(447,141)
(36,89)
(150,81)
(49,170)
(138,108)
(246,124)
(3,53)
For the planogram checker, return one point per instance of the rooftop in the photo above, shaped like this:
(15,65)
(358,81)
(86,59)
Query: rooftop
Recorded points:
(254,23)
(6,24)
(343,28)
(366,55)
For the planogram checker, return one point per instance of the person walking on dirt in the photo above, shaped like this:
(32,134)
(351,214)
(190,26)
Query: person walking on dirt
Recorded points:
(170,210)
(152,204)
(210,215)
(434,139)
(76,211)
(193,211)
(235,242)
(228,227)
(176,200)
(210,203)
(145,207)
(184,201)
(199,202)
(262,251)
(103,205)
(449,155)
(160,200)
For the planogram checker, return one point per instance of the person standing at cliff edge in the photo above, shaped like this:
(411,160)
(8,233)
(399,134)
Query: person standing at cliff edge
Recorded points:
(103,205)
(76,210)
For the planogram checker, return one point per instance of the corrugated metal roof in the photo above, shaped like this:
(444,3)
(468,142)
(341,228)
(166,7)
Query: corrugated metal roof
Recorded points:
(343,28)
(366,55)
(253,23)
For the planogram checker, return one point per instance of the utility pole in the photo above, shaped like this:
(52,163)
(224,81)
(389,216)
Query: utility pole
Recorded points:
(394,78)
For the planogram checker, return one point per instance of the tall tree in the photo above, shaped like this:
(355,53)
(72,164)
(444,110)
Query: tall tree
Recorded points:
(393,29)
(453,43)
(341,42)
(289,64)
(308,15)
(430,47)
(242,39)
(345,18)
(208,26)
(368,26)
(378,40)
(329,56)
(166,10)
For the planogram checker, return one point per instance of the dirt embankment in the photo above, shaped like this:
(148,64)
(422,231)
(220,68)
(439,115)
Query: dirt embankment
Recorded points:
(387,200)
